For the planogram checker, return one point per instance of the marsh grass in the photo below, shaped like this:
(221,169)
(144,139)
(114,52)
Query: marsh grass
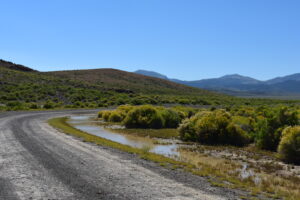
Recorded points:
(265,168)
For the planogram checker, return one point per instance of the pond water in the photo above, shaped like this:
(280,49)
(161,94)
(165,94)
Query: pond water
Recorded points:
(87,123)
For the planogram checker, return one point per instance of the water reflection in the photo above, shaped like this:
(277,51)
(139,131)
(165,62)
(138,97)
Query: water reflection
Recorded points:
(87,123)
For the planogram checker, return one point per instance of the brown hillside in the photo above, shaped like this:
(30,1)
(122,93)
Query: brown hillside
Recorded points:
(113,78)
(13,66)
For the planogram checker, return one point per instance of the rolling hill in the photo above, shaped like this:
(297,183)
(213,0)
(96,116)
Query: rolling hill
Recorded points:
(11,65)
(22,87)
(127,81)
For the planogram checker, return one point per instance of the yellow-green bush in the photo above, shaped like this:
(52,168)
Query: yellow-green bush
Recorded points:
(269,127)
(289,147)
(116,116)
(121,111)
(144,117)
(184,111)
(171,118)
(106,115)
(124,109)
(213,127)
(100,113)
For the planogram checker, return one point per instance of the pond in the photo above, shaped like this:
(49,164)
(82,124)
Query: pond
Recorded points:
(87,123)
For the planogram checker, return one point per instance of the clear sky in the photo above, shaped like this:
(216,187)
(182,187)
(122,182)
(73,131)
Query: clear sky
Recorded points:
(185,39)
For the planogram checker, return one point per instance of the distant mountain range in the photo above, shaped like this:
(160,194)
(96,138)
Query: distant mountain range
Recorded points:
(238,85)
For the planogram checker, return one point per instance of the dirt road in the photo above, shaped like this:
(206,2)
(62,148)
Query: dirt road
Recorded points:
(39,162)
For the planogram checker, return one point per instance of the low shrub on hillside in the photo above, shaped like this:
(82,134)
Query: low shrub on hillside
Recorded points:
(33,106)
(213,127)
(49,105)
(289,147)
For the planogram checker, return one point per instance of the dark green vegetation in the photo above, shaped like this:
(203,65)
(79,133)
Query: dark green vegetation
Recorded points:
(23,88)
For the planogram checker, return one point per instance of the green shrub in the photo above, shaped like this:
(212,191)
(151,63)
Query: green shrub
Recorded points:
(245,123)
(106,115)
(171,118)
(33,106)
(115,116)
(49,105)
(125,108)
(187,130)
(184,111)
(267,138)
(269,127)
(100,113)
(14,104)
(289,147)
(235,135)
(144,117)
(213,127)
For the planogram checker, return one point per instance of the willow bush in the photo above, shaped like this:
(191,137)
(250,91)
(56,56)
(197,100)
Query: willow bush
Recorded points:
(289,147)
(270,125)
(213,127)
(146,116)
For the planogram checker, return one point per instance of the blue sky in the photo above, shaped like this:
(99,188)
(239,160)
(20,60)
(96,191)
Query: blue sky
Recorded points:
(186,39)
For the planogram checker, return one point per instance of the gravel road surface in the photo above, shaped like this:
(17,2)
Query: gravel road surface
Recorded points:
(39,162)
